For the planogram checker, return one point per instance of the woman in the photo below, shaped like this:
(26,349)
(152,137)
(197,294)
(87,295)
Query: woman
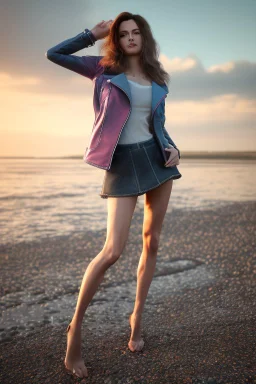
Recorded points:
(130,142)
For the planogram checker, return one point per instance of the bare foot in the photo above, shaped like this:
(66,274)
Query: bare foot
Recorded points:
(73,360)
(136,343)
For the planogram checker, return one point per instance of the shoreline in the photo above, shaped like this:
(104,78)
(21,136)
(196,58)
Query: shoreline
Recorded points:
(199,317)
(224,155)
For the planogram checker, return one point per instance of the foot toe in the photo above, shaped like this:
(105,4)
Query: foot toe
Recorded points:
(78,372)
(136,345)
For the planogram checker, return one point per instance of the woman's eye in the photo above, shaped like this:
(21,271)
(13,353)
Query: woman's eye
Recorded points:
(136,33)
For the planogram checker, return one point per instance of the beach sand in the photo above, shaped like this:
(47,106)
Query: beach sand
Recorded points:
(199,318)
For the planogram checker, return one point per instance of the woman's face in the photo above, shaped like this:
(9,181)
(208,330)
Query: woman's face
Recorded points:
(129,32)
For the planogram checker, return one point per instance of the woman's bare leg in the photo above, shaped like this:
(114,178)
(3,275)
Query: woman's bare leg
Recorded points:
(156,203)
(120,212)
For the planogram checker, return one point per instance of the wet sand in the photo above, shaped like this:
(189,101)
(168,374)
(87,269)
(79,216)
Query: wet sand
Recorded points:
(199,318)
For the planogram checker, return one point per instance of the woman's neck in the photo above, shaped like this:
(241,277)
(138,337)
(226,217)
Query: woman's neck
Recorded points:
(133,66)
(142,79)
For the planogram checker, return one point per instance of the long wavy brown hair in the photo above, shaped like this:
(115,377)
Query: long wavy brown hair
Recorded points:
(115,61)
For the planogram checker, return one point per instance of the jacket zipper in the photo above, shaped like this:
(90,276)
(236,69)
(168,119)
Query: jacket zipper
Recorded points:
(121,128)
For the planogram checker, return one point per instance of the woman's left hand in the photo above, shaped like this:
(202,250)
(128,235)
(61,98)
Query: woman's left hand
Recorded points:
(174,157)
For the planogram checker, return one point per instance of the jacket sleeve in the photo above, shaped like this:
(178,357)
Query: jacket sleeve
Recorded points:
(61,54)
(167,136)
(170,141)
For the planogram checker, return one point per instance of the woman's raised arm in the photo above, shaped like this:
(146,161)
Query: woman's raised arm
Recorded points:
(61,54)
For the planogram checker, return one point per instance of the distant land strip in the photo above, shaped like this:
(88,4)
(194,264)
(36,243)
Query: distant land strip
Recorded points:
(239,155)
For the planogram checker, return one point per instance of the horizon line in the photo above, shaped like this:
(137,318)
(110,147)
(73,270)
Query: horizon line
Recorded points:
(185,154)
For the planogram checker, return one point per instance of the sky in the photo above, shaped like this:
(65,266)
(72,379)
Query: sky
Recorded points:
(208,48)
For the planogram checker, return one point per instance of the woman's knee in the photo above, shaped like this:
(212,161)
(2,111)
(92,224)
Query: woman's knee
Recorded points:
(110,254)
(151,240)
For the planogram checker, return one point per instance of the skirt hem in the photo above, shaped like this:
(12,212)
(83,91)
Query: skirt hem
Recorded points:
(106,195)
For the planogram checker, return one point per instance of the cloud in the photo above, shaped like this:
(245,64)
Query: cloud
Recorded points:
(8,81)
(41,86)
(191,81)
(227,109)
(177,64)
(225,67)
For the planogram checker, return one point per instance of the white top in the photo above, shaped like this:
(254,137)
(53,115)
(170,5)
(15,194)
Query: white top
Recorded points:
(136,128)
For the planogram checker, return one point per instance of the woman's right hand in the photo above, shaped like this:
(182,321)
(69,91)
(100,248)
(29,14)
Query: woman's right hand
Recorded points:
(101,29)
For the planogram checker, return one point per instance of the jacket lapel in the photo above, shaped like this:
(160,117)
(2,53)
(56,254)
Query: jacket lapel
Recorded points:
(158,92)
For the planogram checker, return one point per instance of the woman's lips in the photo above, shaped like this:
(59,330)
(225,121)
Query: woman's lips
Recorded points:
(132,45)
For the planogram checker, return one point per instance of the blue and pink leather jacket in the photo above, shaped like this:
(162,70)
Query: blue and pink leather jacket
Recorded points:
(111,101)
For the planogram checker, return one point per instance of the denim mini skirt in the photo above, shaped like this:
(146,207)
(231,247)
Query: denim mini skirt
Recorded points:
(135,169)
